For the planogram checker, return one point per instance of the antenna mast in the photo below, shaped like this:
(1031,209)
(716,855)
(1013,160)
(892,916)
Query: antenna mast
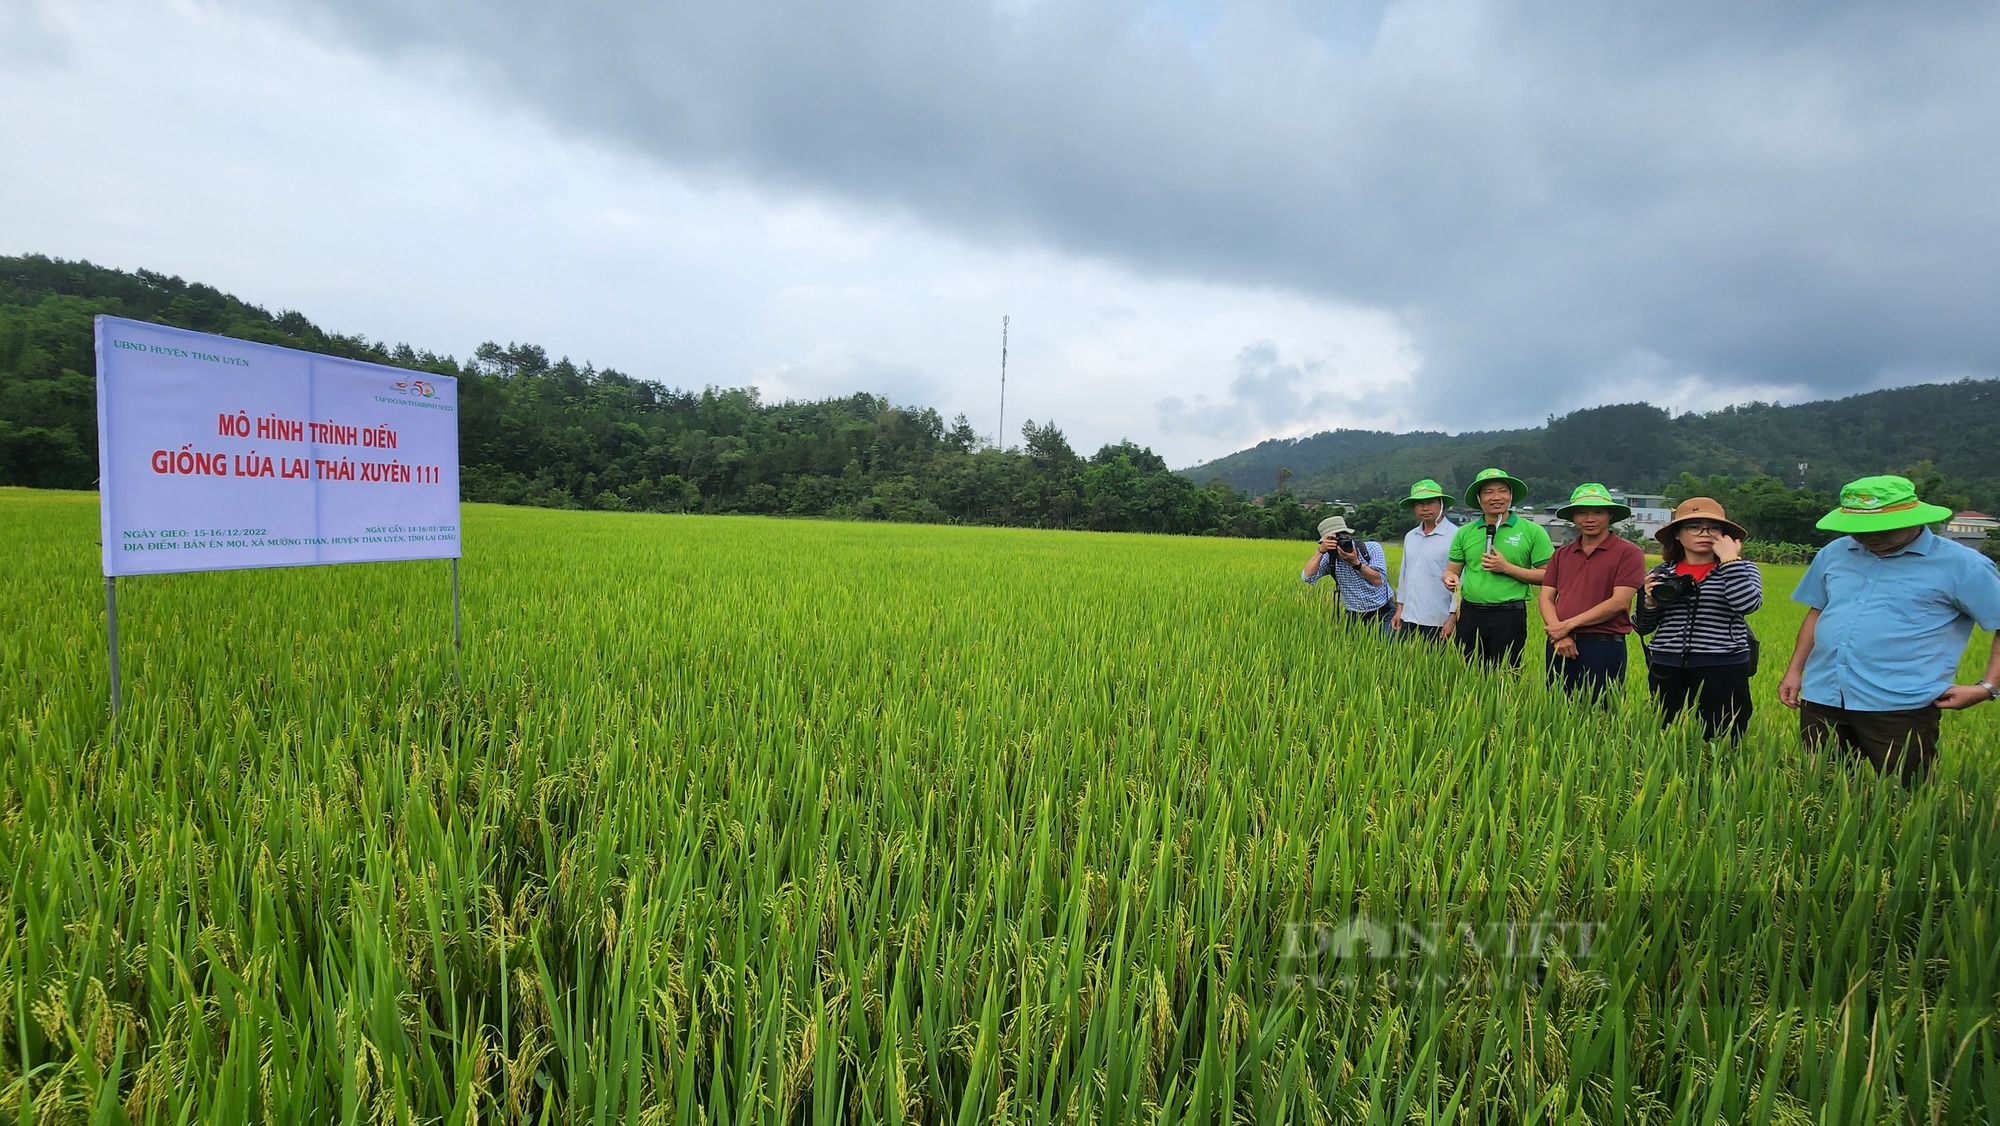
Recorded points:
(1000,439)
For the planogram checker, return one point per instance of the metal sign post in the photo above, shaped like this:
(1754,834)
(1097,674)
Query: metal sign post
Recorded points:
(111,640)
(457,643)
(111,622)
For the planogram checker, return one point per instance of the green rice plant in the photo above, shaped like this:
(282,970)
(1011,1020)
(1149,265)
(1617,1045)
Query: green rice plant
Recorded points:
(744,820)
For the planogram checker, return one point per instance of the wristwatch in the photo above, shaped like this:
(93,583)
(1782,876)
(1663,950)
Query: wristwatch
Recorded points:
(1992,693)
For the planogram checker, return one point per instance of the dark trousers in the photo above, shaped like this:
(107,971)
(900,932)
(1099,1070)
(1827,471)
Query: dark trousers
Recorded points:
(1597,668)
(1376,619)
(1902,743)
(1719,694)
(1493,632)
(1428,633)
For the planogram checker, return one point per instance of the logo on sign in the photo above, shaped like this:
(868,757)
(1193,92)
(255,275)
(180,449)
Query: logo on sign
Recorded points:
(421,387)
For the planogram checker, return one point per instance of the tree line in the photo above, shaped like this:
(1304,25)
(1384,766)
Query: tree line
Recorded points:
(537,430)
(546,431)
(1807,449)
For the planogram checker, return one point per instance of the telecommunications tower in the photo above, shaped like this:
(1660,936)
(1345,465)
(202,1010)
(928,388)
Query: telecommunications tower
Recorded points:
(1000,437)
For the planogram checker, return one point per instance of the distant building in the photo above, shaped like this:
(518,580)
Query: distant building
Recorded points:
(1560,531)
(1971,525)
(1650,512)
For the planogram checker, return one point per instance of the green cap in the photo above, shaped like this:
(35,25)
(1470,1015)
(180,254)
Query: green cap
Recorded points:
(1485,475)
(1881,504)
(1425,489)
(1590,494)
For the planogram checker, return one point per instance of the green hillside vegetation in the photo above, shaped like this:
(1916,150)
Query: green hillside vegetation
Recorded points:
(1642,448)
(546,431)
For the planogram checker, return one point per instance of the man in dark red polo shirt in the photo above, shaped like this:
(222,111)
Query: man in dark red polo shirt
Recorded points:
(1586,596)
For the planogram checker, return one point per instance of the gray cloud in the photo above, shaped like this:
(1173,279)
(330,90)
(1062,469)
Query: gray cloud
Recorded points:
(1272,395)
(26,39)
(1778,195)
(1267,394)
(832,375)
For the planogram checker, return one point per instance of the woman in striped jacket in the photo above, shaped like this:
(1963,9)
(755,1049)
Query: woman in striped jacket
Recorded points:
(1692,607)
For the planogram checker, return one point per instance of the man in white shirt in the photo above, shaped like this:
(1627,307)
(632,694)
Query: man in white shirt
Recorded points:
(1423,603)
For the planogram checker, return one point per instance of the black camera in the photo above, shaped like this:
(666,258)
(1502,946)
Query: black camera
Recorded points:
(1671,590)
(1343,541)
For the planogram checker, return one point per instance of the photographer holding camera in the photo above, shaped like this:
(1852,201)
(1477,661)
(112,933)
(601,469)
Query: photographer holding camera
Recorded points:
(1360,573)
(1693,605)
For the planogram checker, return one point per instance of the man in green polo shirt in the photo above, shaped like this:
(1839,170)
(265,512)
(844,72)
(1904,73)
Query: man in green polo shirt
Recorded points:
(1496,564)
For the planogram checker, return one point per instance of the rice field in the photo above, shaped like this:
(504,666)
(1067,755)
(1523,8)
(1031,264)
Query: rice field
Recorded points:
(742,820)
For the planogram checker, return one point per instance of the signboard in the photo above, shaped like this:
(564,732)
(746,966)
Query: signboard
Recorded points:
(215,453)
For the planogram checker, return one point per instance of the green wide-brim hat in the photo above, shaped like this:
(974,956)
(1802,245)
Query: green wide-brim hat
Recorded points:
(1881,504)
(1590,494)
(1425,489)
(1515,483)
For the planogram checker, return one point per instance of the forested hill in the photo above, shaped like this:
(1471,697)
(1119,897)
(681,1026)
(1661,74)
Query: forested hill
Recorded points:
(1638,447)
(536,430)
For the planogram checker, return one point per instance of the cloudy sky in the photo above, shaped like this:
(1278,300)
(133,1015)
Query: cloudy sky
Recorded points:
(1211,223)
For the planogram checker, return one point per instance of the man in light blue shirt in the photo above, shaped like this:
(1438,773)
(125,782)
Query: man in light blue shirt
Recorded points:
(1891,607)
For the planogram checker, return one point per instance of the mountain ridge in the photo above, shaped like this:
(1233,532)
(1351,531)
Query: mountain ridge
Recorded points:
(1643,448)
